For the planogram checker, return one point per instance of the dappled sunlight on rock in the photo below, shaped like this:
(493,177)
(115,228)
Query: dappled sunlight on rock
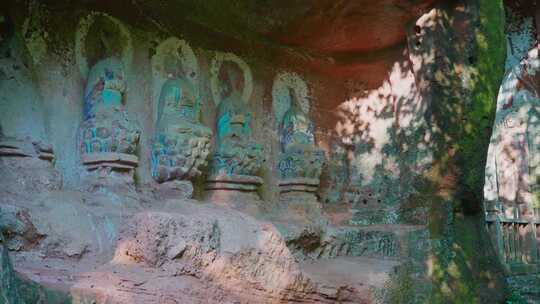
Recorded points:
(269,151)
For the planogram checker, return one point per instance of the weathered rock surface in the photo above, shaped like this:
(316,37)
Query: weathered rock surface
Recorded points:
(16,224)
(205,243)
(34,174)
(401,90)
(192,253)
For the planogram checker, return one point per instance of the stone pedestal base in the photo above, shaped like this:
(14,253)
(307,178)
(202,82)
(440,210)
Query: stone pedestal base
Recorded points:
(28,175)
(175,189)
(116,161)
(248,202)
(109,170)
(298,199)
(299,207)
(290,188)
(298,196)
(243,183)
(26,148)
(237,192)
(26,166)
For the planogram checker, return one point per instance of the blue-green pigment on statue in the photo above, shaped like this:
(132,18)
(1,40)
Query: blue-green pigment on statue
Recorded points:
(300,161)
(236,151)
(106,126)
(182,143)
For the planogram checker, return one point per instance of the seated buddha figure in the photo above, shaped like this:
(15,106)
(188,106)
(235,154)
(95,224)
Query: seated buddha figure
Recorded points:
(300,157)
(182,143)
(106,126)
(236,151)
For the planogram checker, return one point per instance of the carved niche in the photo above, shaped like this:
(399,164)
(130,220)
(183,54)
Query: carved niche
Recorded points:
(108,137)
(300,160)
(237,157)
(516,154)
(182,144)
(511,189)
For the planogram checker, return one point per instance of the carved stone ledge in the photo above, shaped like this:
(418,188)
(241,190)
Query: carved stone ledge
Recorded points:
(299,184)
(175,189)
(241,179)
(26,148)
(121,161)
(27,166)
(233,182)
(46,156)
(13,152)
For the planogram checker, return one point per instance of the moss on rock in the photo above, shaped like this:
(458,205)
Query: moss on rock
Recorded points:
(488,70)
(464,268)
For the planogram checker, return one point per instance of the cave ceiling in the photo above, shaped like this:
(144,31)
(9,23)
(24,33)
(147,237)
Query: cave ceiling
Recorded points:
(341,38)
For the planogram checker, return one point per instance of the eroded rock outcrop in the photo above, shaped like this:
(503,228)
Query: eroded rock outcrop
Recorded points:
(214,248)
(182,143)
(197,254)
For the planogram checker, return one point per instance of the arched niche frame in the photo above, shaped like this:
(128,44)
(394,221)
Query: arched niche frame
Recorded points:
(281,100)
(173,56)
(114,39)
(215,69)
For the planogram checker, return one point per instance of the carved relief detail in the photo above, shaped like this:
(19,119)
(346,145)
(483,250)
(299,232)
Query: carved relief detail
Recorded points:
(237,157)
(182,144)
(108,137)
(300,161)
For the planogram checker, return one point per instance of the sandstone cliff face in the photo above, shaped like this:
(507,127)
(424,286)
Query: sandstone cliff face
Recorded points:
(401,95)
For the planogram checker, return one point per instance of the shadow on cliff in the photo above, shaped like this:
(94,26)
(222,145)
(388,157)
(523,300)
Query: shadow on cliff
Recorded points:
(431,123)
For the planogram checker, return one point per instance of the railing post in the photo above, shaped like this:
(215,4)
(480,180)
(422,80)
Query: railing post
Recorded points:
(499,238)
(534,243)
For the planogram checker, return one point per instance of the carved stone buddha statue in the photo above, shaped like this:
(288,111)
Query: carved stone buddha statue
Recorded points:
(237,157)
(182,143)
(300,161)
(108,137)
(236,152)
(516,162)
(296,128)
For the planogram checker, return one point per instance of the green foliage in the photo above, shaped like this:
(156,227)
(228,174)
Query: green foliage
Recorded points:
(515,298)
